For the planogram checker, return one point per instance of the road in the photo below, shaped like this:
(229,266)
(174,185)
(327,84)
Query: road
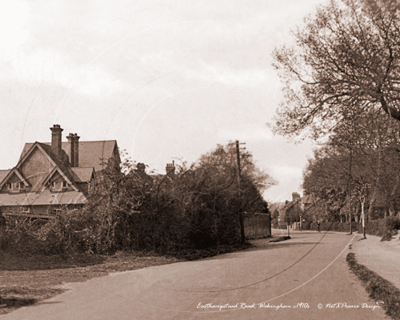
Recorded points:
(284,280)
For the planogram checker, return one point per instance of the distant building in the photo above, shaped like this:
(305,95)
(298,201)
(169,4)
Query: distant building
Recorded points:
(292,210)
(140,175)
(54,174)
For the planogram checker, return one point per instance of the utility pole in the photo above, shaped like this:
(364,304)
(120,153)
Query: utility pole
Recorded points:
(363,216)
(349,186)
(241,218)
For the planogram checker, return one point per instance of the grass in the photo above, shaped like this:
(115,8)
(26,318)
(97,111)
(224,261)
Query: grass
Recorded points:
(377,287)
(27,279)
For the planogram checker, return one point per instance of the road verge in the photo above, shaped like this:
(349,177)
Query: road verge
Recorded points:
(378,288)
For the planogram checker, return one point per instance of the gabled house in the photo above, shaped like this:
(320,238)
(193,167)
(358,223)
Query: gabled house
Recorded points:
(51,175)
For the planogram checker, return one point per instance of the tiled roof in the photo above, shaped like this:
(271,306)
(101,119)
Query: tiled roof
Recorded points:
(3,174)
(91,153)
(82,174)
(43,198)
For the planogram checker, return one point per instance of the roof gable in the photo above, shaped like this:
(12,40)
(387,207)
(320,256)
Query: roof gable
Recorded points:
(29,149)
(57,169)
(10,174)
(91,153)
(59,165)
(3,174)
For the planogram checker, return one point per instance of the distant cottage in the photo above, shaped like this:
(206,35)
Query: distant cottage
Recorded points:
(51,175)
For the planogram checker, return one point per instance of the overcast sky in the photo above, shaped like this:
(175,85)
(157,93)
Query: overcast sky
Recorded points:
(166,79)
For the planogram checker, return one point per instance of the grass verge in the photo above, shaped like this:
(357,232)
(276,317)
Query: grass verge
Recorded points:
(377,287)
(28,279)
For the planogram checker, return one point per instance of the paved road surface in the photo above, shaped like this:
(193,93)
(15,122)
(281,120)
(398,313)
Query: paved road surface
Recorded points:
(297,275)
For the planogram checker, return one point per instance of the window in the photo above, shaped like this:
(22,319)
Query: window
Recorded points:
(26,210)
(14,186)
(58,185)
(21,185)
(55,211)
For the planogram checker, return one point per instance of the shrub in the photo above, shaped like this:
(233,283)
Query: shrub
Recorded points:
(385,228)
(21,235)
(391,225)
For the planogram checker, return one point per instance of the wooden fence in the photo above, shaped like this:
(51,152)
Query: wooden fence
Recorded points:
(257,226)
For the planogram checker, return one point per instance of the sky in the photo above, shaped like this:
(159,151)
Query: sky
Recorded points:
(167,79)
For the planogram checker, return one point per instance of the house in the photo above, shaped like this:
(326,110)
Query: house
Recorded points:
(292,210)
(139,174)
(53,174)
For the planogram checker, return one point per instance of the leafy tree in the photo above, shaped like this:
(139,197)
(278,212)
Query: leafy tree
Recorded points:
(345,62)
(198,206)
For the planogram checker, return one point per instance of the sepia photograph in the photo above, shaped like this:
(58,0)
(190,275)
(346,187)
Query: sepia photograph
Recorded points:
(213,159)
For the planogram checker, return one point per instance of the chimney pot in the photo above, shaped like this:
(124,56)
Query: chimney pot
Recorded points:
(76,150)
(70,138)
(170,169)
(56,139)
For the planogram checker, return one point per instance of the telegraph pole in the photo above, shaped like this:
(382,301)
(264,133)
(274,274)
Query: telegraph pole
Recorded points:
(241,218)
(349,186)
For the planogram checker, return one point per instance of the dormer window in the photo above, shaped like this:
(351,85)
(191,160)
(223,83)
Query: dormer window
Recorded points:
(15,186)
(58,185)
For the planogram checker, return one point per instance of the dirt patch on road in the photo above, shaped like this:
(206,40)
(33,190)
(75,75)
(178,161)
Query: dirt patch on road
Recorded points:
(24,280)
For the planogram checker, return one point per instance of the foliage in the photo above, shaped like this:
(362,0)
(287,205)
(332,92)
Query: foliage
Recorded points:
(345,62)
(360,167)
(193,208)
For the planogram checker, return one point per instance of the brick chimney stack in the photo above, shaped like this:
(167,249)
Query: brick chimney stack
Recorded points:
(73,140)
(56,139)
(170,169)
(76,150)
(141,167)
(295,196)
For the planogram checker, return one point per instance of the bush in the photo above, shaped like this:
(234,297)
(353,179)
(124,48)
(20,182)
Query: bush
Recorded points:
(391,225)
(21,235)
(334,226)
(385,228)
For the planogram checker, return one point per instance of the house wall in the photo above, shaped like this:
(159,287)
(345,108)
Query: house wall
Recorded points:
(36,168)
(22,210)
(43,210)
